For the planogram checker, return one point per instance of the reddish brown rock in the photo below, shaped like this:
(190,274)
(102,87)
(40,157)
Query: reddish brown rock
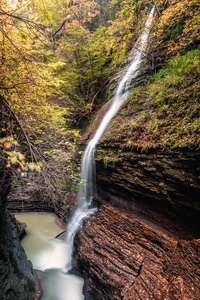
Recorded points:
(122,257)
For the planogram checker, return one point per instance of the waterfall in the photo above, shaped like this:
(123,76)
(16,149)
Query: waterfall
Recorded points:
(87,186)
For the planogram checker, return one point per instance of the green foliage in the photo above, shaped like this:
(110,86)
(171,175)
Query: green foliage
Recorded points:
(94,40)
(164,112)
(176,30)
(57,64)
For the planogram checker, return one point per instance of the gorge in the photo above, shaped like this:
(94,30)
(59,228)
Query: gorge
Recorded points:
(88,172)
(135,230)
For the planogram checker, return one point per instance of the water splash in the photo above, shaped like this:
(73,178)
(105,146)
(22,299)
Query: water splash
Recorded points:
(88,174)
(82,212)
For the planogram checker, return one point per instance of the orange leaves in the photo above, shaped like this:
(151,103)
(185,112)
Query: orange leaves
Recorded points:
(15,158)
(178,27)
(85,10)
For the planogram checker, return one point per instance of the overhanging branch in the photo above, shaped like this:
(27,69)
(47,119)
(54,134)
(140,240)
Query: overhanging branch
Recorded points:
(13,86)
(41,26)
(61,26)
(31,147)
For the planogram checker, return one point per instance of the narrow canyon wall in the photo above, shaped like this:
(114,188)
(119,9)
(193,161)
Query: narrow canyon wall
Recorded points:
(124,257)
(16,276)
(17,280)
(31,197)
(144,242)
(167,182)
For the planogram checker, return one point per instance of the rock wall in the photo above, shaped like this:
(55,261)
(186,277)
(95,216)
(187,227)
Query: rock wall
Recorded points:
(167,182)
(17,280)
(16,276)
(124,257)
(29,197)
(144,242)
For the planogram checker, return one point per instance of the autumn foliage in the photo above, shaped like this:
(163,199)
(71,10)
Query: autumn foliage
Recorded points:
(176,29)
(58,59)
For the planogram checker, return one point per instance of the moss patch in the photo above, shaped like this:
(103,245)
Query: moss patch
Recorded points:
(164,112)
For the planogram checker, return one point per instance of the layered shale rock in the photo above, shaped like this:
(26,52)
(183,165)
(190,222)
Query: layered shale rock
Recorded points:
(124,257)
(144,242)
(168,182)
(17,280)
(31,197)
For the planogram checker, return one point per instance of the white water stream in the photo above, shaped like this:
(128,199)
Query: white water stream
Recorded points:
(88,174)
(87,189)
(50,255)
(55,256)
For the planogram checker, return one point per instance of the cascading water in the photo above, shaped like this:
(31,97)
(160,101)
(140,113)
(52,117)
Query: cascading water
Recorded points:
(87,188)
(54,256)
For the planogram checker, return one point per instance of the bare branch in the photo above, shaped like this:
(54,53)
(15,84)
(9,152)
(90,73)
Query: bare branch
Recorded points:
(103,86)
(61,26)
(156,7)
(4,33)
(13,86)
(41,26)
(7,106)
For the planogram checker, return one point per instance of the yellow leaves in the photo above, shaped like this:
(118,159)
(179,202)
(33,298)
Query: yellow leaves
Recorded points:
(57,64)
(8,142)
(15,158)
(76,132)
(21,156)
(178,27)
(33,166)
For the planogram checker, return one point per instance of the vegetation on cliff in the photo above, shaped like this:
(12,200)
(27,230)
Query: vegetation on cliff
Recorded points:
(163,111)
(58,60)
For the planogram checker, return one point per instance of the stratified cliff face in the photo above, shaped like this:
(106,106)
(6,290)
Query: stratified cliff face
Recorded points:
(17,280)
(29,197)
(124,257)
(144,241)
(16,276)
(168,182)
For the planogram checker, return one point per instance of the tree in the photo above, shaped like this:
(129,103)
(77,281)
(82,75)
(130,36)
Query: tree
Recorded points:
(177,29)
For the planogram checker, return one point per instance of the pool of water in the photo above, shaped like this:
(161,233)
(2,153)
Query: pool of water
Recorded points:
(51,256)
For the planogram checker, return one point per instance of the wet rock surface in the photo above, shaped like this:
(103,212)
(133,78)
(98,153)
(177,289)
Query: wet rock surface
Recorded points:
(29,197)
(17,279)
(168,182)
(125,258)
(144,242)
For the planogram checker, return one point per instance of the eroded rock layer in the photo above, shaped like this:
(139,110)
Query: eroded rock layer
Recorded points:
(124,257)
(166,182)
(17,279)
(29,197)
(144,241)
